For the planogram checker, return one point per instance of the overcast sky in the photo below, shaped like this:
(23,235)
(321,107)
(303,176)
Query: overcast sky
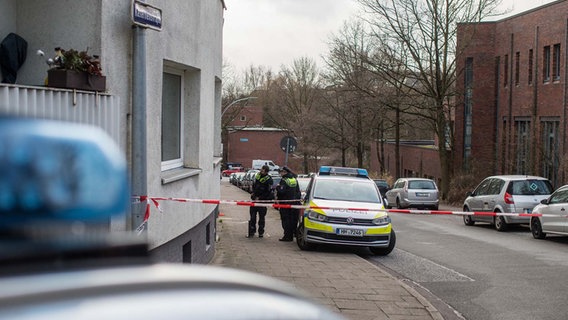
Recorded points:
(275,32)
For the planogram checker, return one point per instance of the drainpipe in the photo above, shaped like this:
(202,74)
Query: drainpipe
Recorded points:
(139,172)
(564,103)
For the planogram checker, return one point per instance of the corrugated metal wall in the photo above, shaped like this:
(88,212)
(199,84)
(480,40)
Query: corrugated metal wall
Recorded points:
(101,110)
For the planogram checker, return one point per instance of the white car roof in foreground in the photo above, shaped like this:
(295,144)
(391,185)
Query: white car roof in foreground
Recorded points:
(154,292)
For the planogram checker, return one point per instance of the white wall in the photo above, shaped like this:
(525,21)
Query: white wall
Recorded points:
(191,39)
(196,28)
(8,22)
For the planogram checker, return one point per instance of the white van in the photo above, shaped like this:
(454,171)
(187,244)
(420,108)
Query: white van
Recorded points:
(258,163)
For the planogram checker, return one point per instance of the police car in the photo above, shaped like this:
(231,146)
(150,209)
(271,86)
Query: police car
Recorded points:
(345,208)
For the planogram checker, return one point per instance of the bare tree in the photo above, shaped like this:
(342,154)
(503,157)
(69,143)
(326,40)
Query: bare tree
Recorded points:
(293,99)
(352,83)
(257,78)
(423,33)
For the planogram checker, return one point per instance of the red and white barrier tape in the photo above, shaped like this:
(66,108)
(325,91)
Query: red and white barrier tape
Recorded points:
(279,205)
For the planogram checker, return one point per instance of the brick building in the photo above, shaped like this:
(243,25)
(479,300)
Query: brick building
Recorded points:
(246,138)
(250,143)
(417,159)
(512,119)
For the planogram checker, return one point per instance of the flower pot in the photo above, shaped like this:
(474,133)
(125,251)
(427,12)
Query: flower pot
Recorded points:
(71,79)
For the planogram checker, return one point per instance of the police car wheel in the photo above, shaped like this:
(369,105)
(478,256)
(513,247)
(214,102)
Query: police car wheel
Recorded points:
(301,239)
(387,250)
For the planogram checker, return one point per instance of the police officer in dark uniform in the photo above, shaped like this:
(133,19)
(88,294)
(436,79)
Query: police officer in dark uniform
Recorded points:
(261,190)
(288,189)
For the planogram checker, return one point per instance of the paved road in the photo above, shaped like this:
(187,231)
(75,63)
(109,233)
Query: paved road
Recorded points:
(481,273)
(337,278)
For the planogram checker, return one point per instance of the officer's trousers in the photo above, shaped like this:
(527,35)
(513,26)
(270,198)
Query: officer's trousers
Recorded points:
(289,219)
(261,220)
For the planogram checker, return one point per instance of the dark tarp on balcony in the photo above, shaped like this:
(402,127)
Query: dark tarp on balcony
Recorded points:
(13,51)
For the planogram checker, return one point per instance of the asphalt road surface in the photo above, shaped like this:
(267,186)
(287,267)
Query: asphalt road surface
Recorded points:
(478,273)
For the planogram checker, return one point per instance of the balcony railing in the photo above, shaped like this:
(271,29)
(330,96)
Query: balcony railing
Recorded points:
(101,110)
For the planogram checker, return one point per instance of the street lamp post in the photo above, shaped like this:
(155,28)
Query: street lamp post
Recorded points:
(224,130)
(234,102)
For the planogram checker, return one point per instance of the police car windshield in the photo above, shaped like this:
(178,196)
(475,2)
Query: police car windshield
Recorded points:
(346,190)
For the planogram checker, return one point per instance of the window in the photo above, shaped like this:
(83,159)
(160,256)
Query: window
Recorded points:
(559,197)
(495,187)
(243,118)
(550,153)
(504,145)
(506,70)
(468,122)
(522,140)
(546,64)
(483,187)
(556,62)
(517,65)
(530,71)
(172,119)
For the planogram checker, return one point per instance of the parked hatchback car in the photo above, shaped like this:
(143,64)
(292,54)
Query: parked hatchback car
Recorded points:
(553,211)
(413,192)
(506,193)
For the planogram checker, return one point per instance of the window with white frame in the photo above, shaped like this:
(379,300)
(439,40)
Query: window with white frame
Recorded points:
(172,118)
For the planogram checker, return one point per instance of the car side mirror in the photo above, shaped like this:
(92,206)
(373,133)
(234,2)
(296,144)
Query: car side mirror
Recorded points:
(544,201)
(469,194)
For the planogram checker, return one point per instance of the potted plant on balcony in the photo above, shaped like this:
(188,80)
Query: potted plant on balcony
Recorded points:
(76,70)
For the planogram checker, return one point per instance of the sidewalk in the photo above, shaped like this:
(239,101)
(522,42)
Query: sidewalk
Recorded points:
(344,282)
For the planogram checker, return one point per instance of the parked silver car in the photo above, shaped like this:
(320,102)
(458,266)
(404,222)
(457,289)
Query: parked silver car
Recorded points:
(553,219)
(506,193)
(248,179)
(413,192)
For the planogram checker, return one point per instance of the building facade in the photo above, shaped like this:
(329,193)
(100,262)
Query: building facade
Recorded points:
(417,159)
(246,144)
(162,104)
(512,119)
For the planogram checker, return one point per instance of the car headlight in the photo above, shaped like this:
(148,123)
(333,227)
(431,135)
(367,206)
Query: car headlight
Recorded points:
(312,215)
(382,220)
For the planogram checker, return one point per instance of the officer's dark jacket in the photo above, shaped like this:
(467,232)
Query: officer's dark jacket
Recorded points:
(262,187)
(288,189)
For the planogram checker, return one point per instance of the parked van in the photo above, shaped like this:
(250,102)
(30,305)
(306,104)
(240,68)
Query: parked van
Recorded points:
(257,164)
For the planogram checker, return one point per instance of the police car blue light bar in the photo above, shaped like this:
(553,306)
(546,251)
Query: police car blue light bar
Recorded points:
(344,171)
(55,171)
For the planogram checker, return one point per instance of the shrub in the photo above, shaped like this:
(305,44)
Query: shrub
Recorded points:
(459,186)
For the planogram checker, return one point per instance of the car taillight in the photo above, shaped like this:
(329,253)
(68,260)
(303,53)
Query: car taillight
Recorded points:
(509,198)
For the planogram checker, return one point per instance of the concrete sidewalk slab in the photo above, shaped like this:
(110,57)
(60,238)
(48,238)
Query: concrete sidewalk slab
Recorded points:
(343,281)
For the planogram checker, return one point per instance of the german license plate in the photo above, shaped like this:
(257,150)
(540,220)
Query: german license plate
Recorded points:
(350,232)
(421,194)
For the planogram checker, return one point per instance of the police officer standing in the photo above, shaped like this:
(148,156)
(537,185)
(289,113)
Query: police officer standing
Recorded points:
(261,190)
(288,189)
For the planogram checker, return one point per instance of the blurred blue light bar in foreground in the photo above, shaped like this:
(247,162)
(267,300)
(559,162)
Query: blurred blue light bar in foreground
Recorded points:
(57,171)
